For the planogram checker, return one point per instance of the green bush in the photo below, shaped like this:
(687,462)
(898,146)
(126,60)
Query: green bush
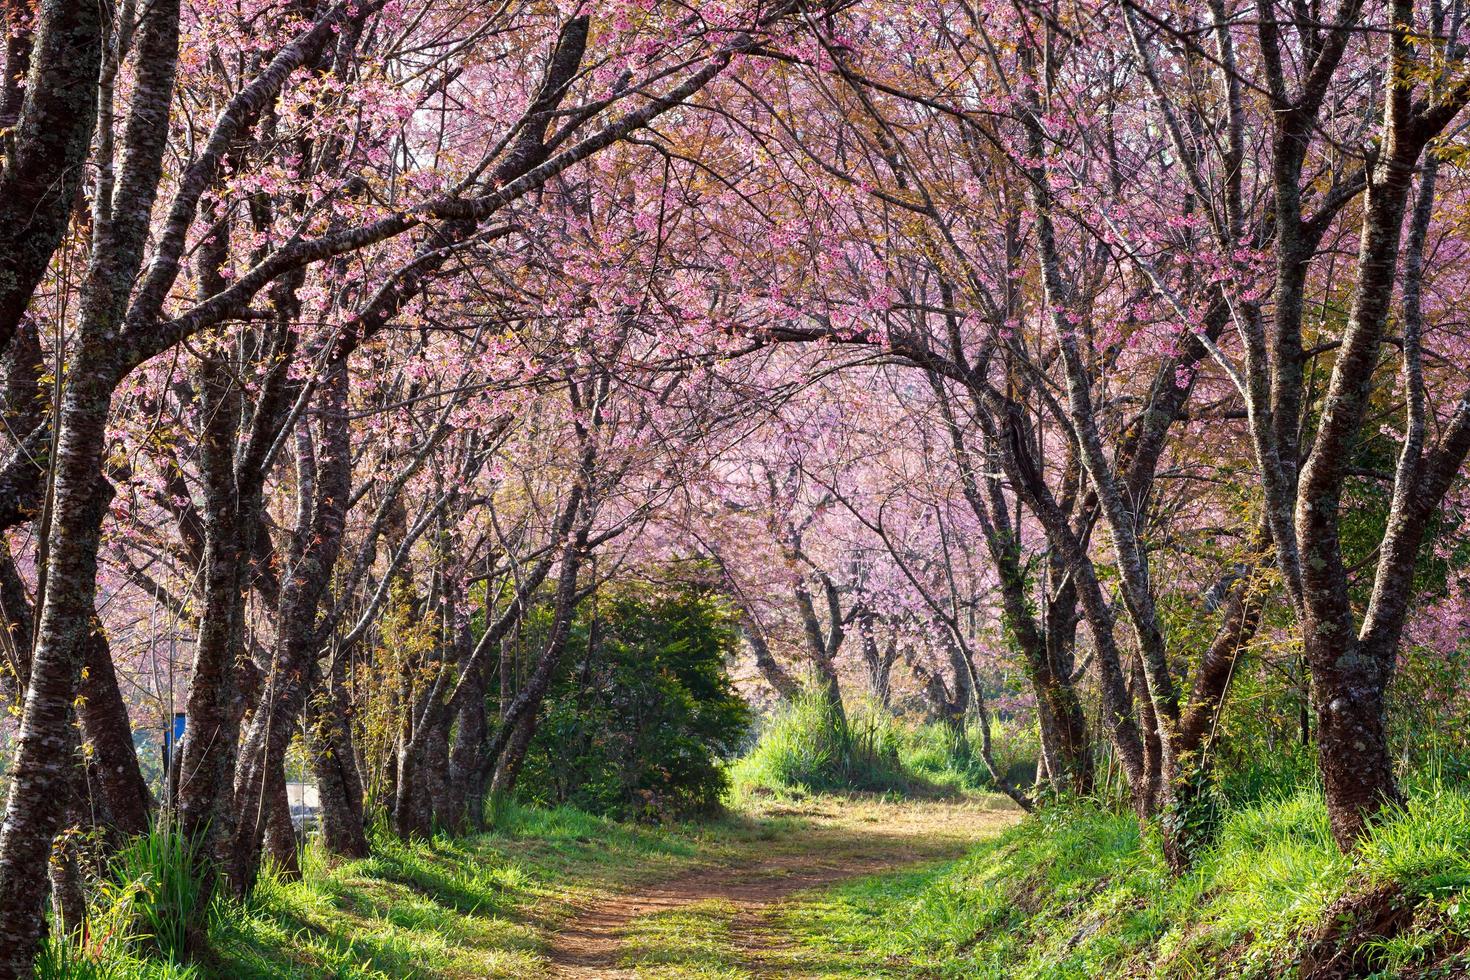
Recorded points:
(642,712)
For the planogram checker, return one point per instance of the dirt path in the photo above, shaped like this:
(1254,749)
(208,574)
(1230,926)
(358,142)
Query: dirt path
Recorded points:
(833,843)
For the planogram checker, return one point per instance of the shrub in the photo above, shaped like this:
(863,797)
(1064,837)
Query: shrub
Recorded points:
(155,876)
(642,713)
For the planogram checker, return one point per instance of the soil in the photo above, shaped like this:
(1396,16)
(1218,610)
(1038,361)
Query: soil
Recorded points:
(836,847)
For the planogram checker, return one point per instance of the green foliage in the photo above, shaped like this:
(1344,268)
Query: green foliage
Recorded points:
(62,959)
(404,651)
(1077,892)
(642,712)
(140,917)
(1278,770)
(1427,715)
(936,753)
(157,871)
(805,746)
(1191,820)
(808,745)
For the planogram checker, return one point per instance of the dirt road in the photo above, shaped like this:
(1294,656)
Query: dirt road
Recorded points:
(829,841)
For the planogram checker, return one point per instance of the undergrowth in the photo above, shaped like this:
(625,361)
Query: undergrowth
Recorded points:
(807,747)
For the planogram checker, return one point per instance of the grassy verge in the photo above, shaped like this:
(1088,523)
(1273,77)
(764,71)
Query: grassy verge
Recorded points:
(442,908)
(1076,893)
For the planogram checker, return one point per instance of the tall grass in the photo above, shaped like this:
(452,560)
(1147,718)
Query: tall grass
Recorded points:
(160,867)
(938,754)
(141,916)
(808,746)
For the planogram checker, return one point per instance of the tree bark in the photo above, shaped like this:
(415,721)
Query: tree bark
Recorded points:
(466,793)
(508,771)
(324,491)
(42,764)
(777,676)
(280,832)
(43,158)
(109,737)
(79,494)
(339,783)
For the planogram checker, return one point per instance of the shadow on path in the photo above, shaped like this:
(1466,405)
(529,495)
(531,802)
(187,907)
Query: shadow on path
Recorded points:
(833,840)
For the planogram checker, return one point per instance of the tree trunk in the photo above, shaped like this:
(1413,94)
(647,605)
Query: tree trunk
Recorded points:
(465,795)
(1154,760)
(280,832)
(109,737)
(506,750)
(316,544)
(878,660)
(233,511)
(776,675)
(339,783)
(1352,741)
(509,768)
(44,162)
(68,900)
(42,766)
(412,807)
(436,771)
(823,649)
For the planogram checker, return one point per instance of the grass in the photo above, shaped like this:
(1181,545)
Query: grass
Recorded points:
(696,941)
(140,917)
(476,907)
(450,908)
(805,748)
(1077,893)
(484,906)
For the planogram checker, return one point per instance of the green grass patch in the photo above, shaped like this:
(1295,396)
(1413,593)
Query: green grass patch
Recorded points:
(695,941)
(479,906)
(805,747)
(1077,893)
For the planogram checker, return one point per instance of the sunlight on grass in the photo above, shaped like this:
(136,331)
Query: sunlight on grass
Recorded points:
(694,941)
(475,907)
(1078,893)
